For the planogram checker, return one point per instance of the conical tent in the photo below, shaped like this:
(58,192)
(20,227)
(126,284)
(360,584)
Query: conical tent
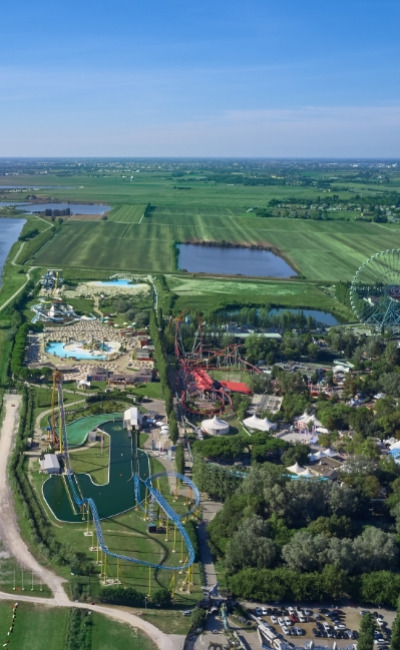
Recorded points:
(307,473)
(330,453)
(295,469)
(317,456)
(261,424)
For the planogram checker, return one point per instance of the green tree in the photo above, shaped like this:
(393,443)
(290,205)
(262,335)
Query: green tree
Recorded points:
(366,638)
(395,640)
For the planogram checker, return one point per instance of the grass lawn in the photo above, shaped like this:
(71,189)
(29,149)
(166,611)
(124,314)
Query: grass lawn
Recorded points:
(110,635)
(36,626)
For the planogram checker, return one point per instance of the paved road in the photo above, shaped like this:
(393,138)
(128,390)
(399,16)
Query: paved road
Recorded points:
(10,534)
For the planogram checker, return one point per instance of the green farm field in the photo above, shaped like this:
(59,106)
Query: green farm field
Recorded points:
(192,207)
(36,626)
(319,251)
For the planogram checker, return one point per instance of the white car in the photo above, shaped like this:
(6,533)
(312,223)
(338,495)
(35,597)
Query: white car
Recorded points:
(285,630)
(264,611)
(291,611)
(281,622)
(287,620)
(274,620)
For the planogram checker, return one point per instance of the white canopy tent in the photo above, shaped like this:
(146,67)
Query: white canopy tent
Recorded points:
(295,469)
(260,424)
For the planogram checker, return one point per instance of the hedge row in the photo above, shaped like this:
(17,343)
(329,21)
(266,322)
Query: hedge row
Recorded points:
(267,585)
(162,365)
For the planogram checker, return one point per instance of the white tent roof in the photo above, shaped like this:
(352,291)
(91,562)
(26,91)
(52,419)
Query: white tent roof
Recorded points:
(307,417)
(306,473)
(330,453)
(295,469)
(261,424)
(396,445)
(317,456)
(215,423)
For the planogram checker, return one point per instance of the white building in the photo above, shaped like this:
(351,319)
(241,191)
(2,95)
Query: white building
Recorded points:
(132,418)
(50,464)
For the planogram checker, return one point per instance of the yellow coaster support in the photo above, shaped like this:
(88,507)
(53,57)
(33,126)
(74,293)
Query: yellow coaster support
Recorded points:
(174,548)
(181,557)
(172,583)
(105,568)
(167,530)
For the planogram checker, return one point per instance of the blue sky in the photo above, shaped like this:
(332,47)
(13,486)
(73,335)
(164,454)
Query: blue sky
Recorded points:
(215,78)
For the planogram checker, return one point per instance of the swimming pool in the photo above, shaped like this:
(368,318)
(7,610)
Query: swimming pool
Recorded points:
(76,350)
(120,282)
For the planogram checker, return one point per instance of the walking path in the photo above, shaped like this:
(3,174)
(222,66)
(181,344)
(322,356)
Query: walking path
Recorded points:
(10,534)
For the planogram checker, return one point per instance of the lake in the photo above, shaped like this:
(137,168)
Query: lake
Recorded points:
(10,230)
(220,260)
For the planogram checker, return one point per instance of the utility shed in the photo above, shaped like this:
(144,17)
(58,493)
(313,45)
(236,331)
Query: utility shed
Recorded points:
(50,464)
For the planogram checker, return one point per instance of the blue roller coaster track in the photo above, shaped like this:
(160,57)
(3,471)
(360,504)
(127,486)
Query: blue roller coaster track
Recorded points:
(154,493)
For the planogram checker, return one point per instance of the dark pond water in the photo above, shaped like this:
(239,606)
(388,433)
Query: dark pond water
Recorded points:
(219,260)
(34,187)
(76,208)
(321,316)
(10,230)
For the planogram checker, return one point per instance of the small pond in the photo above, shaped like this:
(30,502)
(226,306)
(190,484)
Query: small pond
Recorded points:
(220,260)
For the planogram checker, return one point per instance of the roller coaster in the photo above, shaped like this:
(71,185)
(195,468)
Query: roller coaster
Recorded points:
(155,497)
(199,393)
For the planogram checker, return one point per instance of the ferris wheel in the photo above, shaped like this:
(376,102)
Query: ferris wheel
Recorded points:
(375,291)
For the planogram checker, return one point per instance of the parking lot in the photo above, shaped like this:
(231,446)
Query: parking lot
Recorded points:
(327,626)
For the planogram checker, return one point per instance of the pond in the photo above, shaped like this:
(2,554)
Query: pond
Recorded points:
(324,317)
(221,260)
(76,208)
(10,230)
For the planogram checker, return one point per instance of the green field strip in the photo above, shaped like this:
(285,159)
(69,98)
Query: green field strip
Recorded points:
(127,213)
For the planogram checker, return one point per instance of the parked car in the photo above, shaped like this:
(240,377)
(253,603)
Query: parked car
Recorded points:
(281,622)
(285,630)
(274,620)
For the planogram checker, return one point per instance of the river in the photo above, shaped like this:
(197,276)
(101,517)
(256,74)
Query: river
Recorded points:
(10,230)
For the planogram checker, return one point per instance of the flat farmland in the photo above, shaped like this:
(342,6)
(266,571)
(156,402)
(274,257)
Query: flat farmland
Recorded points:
(127,213)
(323,251)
